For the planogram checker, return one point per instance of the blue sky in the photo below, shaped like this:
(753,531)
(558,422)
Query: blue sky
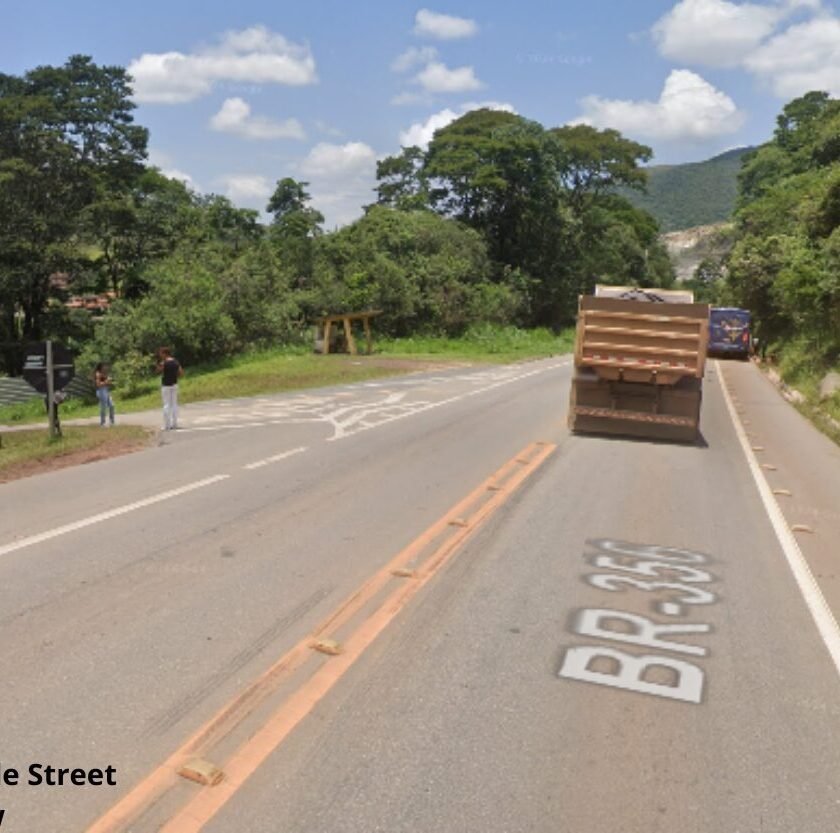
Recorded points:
(239,95)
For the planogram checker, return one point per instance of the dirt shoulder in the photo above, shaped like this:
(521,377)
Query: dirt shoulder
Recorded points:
(26,453)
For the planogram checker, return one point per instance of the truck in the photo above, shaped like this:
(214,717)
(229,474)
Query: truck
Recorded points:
(639,360)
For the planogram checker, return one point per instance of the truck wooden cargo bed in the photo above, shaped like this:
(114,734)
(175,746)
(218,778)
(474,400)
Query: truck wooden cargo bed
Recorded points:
(639,367)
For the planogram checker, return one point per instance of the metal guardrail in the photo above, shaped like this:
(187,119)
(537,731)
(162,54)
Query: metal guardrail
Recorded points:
(14,391)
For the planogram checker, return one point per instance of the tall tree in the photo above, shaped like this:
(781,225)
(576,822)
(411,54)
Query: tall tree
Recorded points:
(67,140)
(539,197)
(294,227)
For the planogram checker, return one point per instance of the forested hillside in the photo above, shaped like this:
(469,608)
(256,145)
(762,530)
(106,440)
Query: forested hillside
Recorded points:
(785,265)
(694,194)
(499,220)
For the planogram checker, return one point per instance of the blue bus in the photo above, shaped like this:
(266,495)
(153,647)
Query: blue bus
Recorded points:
(729,332)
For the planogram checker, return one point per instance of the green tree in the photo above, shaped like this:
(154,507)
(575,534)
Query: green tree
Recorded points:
(402,182)
(67,140)
(537,196)
(296,224)
(425,272)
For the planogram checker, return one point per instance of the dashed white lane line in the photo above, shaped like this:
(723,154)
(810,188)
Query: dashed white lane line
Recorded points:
(817,605)
(276,458)
(111,513)
(393,399)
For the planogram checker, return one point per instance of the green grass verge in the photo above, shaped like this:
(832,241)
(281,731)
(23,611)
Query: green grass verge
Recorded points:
(295,368)
(26,449)
(798,369)
(484,344)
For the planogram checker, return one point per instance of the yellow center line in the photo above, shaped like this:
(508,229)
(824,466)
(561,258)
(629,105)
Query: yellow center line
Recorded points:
(248,757)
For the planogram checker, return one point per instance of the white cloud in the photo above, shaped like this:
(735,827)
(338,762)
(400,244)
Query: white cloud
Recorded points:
(713,32)
(803,58)
(718,32)
(256,55)
(443,26)
(414,56)
(689,108)
(438,78)
(181,176)
(346,160)
(421,133)
(791,61)
(342,178)
(165,164)
(235,117)
(251,189)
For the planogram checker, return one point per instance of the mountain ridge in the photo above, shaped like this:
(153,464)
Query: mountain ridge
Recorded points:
(691,194)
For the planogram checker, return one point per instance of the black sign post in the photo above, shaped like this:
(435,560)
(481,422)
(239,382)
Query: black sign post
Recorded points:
(49,368)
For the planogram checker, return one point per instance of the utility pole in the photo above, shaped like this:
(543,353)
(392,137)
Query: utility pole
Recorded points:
(51,392)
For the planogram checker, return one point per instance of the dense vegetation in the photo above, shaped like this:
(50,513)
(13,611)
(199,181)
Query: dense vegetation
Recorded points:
(499,222)
(785,264)
(694,194)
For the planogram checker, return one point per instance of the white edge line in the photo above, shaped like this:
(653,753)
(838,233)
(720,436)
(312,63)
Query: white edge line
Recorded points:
(111,513)
(817,605)
(276,458)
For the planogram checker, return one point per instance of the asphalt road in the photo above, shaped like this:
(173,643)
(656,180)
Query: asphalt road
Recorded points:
(624,645)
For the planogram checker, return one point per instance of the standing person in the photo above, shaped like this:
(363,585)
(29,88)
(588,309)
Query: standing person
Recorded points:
(171,371)
(102,380)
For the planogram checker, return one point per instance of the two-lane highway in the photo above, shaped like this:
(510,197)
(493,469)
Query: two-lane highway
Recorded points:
(535,631)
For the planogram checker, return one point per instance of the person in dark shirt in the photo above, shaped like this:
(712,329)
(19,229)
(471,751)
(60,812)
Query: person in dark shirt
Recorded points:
(171,371)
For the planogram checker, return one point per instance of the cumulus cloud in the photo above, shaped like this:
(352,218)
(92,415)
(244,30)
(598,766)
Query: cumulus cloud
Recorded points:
(443,26)
(165,164)
(689,108)
(718,32)
(414,56)
(421,133)
(791,55)
(255,55)
(251,189)
(805,57)
(438,78)
(346,160)
(181,176)
(713,32)
(235,117)
(342,178)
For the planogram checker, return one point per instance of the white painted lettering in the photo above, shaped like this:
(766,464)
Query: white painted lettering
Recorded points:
(688,595)
(652,568)
(631,670)
(646,632)
(647,551)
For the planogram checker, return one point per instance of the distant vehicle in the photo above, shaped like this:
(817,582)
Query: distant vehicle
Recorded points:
(729,332)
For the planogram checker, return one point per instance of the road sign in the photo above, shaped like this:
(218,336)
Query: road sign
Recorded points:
(35,366)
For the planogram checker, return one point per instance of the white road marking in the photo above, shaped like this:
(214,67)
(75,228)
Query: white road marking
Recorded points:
(356,421)
(111,513)
(817,605)
(276,458)
(500,377)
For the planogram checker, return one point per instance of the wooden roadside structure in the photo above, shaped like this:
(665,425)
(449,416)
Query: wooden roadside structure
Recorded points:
(324,325)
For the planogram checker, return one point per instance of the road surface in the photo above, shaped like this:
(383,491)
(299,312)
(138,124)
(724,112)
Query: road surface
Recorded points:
(521,630)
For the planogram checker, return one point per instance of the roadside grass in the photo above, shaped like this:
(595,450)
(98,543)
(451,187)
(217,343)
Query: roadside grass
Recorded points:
(798,370)
(296,368)
(24,452)
(490,344)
